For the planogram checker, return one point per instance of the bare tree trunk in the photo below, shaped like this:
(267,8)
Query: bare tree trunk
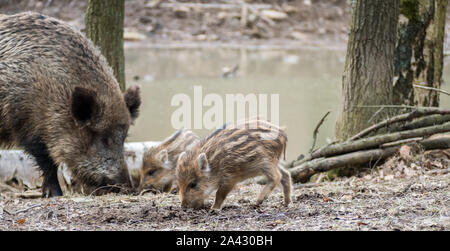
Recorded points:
(419,52)
(438,37)
(369,68)
(104,26)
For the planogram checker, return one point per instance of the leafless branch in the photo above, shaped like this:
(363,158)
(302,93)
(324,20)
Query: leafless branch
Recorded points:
(316,131)
(431,89)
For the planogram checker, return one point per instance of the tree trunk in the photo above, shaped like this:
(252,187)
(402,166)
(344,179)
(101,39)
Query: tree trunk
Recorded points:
(419,52)
(438,38)
(369,68)
(104,26)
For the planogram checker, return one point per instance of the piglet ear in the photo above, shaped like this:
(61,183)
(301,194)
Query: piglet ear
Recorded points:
(84,106)
(203,163)
(133,100)
(181,158)
(163,156)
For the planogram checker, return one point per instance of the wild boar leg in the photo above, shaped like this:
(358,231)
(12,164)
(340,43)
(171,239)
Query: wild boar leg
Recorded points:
(286,182)
(221,194)
(35,147)
(273,179)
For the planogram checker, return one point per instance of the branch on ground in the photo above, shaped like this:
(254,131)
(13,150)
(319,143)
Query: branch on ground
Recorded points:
(306,170)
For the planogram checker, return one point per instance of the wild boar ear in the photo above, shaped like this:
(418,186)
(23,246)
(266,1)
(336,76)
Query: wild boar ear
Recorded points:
(84,105)
(133,100)
(203,163)
(163,156)
(181,158)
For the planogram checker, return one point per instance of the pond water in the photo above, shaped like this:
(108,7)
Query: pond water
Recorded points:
(308,84)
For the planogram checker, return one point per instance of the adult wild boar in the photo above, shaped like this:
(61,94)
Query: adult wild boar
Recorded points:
(59,100)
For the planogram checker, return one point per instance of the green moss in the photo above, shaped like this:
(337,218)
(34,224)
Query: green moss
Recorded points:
(410,9)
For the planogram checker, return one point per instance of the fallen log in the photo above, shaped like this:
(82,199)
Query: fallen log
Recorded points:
(420,112)
(374,141)
(430,120)
(304,171)
(419,122)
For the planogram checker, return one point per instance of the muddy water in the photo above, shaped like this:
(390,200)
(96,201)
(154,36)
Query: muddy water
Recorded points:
(307,83)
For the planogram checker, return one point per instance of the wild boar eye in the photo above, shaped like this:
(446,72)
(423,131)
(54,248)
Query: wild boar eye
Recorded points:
(151,172)
(193,185)
(107,141)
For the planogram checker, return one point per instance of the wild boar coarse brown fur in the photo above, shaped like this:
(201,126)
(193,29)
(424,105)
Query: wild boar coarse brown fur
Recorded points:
(59,100)
(230,155)
(158,168)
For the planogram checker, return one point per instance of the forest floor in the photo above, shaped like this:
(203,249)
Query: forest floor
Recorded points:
(306,24)
(398,195)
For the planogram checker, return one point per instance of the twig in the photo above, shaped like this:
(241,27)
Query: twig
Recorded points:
(320,178)
(265,19)
(406,188)
(316,131)
(7,212)
(376,162)
(108,186)
(147,190)
(375,114)
(388,106)
(439,171)
(431,89)
(23,210)
(7,187)
(311,185)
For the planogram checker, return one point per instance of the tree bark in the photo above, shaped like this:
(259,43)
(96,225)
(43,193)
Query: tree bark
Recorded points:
(104,27)
(419,53)
(369,68)
(438,37)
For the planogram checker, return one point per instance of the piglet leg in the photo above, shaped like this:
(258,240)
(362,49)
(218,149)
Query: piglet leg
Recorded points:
(221,194)
(273,179)
(286,182)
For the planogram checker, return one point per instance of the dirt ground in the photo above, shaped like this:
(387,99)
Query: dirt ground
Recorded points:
(308,24)
(415,203)
(319,22)
(410,191)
